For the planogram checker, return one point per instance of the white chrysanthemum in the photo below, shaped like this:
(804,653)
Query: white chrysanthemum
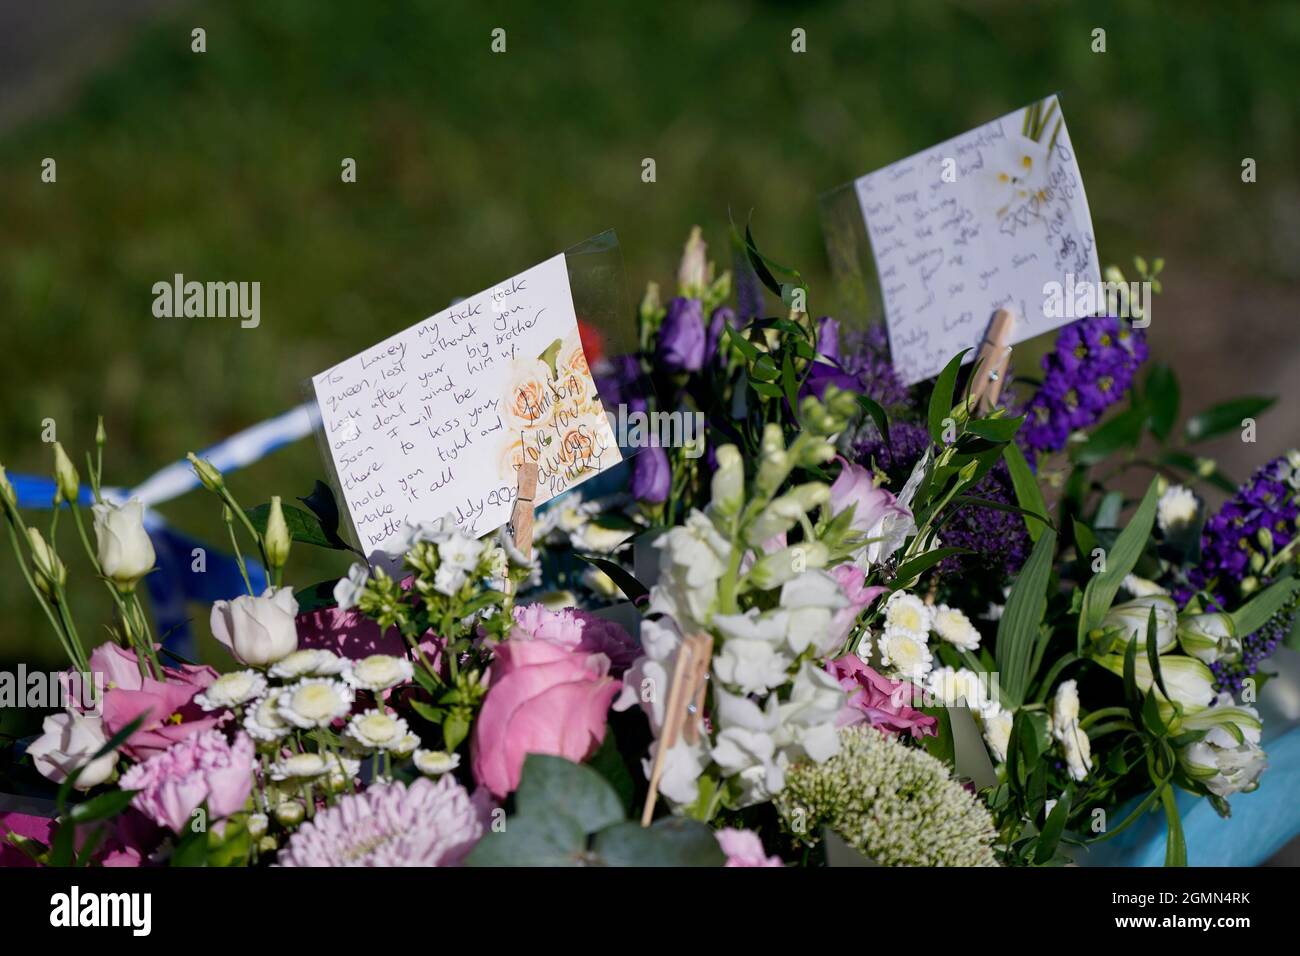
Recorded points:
(434,763)
(231,690)
(263,721)
(905,653)
(315,702)
(1077,750)
(406,746)
(950,685)
(1065,707)
(377,730)
(347,592)
(380,672)
(310,662)
(1176,508)
(907,612)
(955,627)
(863,650)
(997,725)
(305,766)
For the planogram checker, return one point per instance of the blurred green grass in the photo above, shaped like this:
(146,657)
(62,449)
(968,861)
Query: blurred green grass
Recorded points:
(472,166)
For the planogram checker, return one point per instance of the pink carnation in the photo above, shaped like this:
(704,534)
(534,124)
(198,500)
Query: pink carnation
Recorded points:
(390,824)
(745,849)
(878,700)
(852,580)
(202,768)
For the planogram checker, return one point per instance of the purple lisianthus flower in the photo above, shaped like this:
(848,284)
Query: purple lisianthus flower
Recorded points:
(821,375)
(682,339)
(828,338)
(723,317)
(652,476)
(618,382)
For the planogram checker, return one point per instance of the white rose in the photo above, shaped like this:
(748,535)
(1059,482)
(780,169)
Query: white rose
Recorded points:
(124,550)
(257,630)
(69,741)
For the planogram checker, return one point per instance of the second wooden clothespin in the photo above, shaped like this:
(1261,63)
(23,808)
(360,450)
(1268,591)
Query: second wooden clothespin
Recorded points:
(520,527)
(684,709)
(991,363)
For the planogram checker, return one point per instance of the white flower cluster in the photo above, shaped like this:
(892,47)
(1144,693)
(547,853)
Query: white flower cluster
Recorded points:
(908,625)
(1064,725)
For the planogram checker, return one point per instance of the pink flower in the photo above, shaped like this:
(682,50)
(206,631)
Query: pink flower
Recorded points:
(877,514)
(744,848)
(579,631)
(390,824)
(202,768)
(550,693)
(878,700)
(852,579)
(40,829)
(166,706)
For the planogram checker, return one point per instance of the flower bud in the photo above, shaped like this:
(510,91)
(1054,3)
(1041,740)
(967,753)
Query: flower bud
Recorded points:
(7,492)
(50,572)
(693,272)
(1249,585)
(773,439)
(773,570)
(65,474)
(1132,617)
(123,547)
(1265,538)
(1209,637)
(1205,467)
(276,537)
(207,472)
(772,471)
(101,436)
(651,307)
(729,482)
(290,813)
(257,824)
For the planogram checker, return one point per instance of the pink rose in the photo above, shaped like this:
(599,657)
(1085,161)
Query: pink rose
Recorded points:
(549,694)
(201,769)
(878,700)
(166,706)
(877,514)
(744,849)
(578,631)
(851,580)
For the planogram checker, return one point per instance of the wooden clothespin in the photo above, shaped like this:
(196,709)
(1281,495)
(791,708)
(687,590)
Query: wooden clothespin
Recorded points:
(684,710)
(520,527)
(992,361)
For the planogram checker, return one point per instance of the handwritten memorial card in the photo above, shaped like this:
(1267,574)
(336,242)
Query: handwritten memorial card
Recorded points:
(437,419)
(987,220)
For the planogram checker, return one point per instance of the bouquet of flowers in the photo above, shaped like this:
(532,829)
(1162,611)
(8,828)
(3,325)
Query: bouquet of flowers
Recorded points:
(935,634)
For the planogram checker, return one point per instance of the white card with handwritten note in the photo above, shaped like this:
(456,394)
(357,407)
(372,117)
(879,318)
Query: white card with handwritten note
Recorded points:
(984,221)
(437,419)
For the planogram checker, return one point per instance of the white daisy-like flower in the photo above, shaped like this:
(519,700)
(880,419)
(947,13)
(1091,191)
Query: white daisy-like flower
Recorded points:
(299,767)
(1176,508)
(380,672)
(997,725)
(951,624)
(315,701)
(907,654)
(377,730)
(231,690)
(309,662)
(263,722)
(434,763)
(907,612)
(348,590)
(950,685)
(406,746)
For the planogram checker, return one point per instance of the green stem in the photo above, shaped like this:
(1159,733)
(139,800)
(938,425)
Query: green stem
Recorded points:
(1105,712)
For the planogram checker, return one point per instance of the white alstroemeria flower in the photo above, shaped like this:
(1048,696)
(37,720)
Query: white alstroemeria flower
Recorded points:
(753,657)
(1228,759)
(263,722)
(434,763)
(315,702)
(1209,637)
(231,690)
(348,590)
(812,599)
(379,672)
(996,724)
(1188,680)
(309,662)
(1132,617)
(907,612)
(1176,508)
(376,730)
(954,626)
(908,656)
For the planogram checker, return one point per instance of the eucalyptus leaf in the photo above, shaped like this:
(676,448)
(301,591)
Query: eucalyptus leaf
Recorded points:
(669,841)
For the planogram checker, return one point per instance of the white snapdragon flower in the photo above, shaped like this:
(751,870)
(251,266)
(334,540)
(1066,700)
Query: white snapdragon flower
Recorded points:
(955,627)
(692,558)
(753,657)
(807,727)
(1176,508)
(745,748)
(231,690)
(811,600)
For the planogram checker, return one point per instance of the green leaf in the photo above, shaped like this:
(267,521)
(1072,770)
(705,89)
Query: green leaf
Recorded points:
(106,805)
(669,841)
(303,526)
(433,715)
(608,762)
(1103,586)
(922,563)
(325,508)
(1221,419)
(1018,629)
(1153,654)
(1028,493)
(1121,433)
(1162,401)
(455,728)
(877,413)
(632,589)
(941,397)
(995,429)
(555,786)
(1255,613)
(1053,827)
(316,597)
(548,839)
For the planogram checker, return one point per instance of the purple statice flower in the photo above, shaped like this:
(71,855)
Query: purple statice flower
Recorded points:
(864,354)
(1256,648)
(682,337)
(1090,369)
(907,443)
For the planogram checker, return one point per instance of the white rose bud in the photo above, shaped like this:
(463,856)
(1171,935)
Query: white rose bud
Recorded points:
(68,742)
(65,474)
(258,630)
(276,537)
(123,547)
